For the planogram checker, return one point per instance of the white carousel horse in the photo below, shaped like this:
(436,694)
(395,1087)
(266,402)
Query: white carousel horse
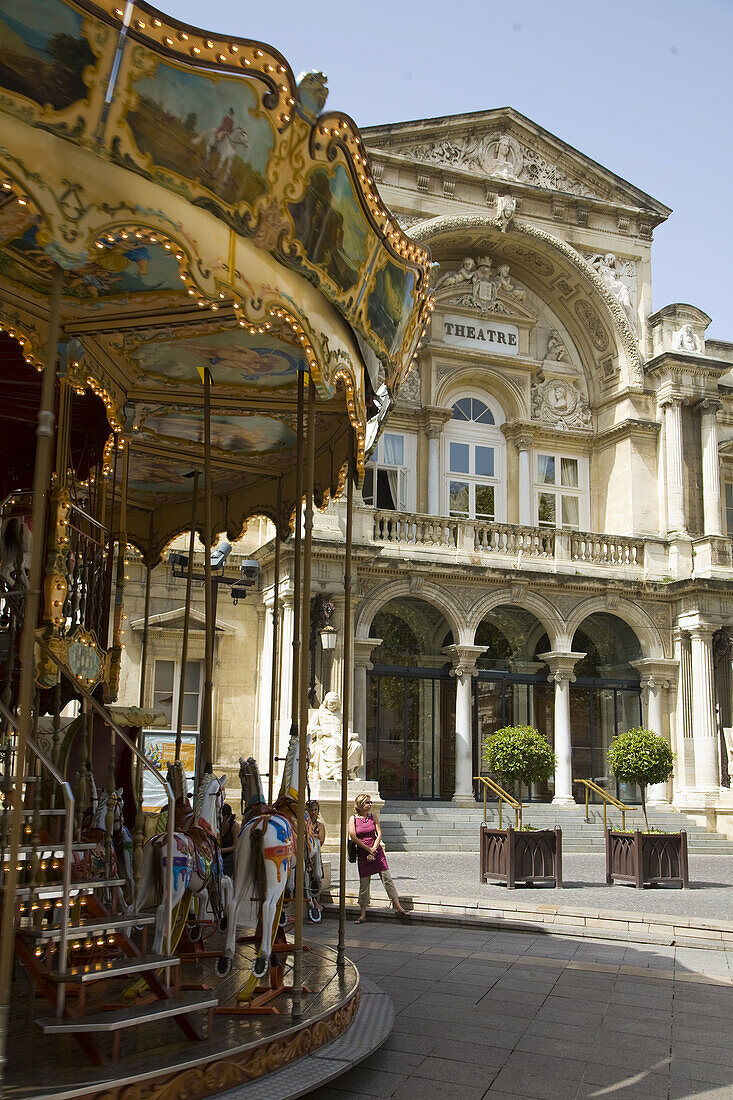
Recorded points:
(197,864)
(264,858)
(226,146)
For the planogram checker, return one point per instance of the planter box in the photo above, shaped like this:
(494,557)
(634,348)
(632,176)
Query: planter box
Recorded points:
(510,856)
(646,858)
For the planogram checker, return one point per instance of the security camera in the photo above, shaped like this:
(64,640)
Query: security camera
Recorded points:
(177,560)
(220,554)
(250,570)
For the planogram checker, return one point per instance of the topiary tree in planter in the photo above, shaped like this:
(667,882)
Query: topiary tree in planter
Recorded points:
(641,756)
(518,754)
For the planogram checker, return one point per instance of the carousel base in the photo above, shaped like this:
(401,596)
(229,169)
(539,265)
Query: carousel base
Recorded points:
(155,1063)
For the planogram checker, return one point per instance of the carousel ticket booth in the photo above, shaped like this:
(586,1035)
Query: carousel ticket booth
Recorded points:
(205,314)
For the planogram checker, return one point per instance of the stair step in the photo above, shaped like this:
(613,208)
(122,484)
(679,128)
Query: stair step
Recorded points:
(119,1019)
(109,927)
(55,889)
(53,848)
(117,968)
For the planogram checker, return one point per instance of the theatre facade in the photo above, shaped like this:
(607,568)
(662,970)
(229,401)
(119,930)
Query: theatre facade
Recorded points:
(544,531)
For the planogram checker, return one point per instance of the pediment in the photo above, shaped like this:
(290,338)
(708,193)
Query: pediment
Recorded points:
(480,286)
(173,621)
(505,147)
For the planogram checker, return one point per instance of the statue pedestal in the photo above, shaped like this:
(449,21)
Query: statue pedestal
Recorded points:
(327,792)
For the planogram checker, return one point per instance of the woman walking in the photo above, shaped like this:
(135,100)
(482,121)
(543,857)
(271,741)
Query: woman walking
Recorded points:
(367,835)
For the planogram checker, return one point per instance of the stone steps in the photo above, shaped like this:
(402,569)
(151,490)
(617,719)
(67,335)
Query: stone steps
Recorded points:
(436,826)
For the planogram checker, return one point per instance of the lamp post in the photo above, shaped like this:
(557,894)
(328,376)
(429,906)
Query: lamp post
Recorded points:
(321,627)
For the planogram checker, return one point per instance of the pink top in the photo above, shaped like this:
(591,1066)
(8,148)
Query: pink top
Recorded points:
(366,831)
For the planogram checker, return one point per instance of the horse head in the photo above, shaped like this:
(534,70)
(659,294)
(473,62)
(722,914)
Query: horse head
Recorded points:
(176,776)
(252,792)
(209,800)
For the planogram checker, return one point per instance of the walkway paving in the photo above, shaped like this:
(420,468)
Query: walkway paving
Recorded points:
(504,1015)
(455,875)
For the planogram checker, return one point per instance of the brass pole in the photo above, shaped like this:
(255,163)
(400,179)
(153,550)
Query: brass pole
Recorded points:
(348,679)
(41,485)
(146,620)
(121,548)
(296,553)
(275,687)
(303,718)
(187,611)
(206,739)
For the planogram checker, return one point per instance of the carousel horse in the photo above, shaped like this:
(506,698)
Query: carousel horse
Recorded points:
(16,542)
(197,864)
(264,858)
(121,845)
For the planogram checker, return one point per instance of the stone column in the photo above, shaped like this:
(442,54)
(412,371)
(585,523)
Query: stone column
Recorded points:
(363,649)
(709,409)
(264,688)
(684,766)
(286,675)
(434,420)
(704,725)
(524,442)
(464,659)
(674,464)
(656,677)
(561,667)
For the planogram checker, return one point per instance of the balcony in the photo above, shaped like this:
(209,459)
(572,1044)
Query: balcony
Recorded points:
(508,545)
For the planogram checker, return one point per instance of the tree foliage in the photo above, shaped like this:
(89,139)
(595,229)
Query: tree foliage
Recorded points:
(641,756)
(518,754)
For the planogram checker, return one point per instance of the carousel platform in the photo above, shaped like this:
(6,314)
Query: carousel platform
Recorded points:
(238,1051)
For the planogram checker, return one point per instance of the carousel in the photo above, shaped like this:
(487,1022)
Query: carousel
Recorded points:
(206,312)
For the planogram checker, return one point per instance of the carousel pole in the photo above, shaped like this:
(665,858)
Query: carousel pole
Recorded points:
(275,688)
(187,610)
(297,1010)
(146,620)
(348,679)
(295,703)
(41,484)
(205,758)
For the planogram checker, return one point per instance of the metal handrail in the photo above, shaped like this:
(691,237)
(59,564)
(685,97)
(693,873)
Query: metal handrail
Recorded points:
(503,796)
(608,800)
(146,763)
(68,841)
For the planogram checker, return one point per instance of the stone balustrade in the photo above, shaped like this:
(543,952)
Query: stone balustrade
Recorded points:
(606,549)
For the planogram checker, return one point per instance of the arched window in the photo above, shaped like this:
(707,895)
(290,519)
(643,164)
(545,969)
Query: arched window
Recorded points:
(474,485)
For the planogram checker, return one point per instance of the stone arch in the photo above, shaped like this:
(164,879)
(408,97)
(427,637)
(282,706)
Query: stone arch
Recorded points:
(505,391)
(650,639)
(612,318)
(431,593)
(541,608)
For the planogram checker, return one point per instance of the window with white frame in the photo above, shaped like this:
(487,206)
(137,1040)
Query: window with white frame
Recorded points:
(389,477)
(473,462)
(167,686)
(561,491)
(729,507)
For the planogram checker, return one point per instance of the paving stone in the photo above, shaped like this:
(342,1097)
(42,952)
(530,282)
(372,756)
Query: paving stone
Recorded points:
(453,1072)
(419,1088)
(532,1083)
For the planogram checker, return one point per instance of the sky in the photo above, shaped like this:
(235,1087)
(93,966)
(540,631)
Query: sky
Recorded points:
(644,87)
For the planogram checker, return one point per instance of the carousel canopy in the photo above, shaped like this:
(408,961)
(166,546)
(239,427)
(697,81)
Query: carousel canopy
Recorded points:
(208,216)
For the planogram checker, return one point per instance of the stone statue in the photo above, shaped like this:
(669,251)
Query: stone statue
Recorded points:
(506,208)
(504,284)
(606,267)
(556,349)
(455,278)
(325,734)
(686,340)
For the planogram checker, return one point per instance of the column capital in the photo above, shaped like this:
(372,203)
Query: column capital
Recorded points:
(464,658)
(710,405)
(433,418)
(561,665)
(363,649)
(669,395)
(656,672)
(519,432)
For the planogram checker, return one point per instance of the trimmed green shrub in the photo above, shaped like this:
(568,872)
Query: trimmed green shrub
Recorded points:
(518,754)
(641,756)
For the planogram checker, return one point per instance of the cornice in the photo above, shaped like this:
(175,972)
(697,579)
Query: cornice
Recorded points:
(628,429)
(545,433)
(679,362)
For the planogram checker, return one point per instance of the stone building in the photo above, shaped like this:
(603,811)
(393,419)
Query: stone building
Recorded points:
(544,531)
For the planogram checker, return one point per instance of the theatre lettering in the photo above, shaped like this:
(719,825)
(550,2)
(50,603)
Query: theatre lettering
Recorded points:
(491,335)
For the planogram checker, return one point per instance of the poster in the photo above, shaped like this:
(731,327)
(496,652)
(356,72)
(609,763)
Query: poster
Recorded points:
(160,749)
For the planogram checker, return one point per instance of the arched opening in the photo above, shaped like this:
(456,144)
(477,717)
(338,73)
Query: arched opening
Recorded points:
(605,699)
(410,733)
(511,688)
